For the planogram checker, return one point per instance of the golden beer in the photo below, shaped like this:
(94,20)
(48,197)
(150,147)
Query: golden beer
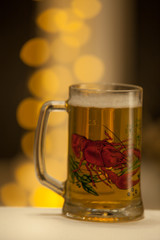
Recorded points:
(104,157)
(91,179)
(104,152)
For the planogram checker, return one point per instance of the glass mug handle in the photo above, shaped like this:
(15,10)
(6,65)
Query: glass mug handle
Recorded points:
(40,167)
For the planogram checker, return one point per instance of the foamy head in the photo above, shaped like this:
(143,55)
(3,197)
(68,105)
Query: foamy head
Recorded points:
(105,96)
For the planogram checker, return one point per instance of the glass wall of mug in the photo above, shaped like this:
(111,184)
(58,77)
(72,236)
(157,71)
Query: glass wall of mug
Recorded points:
(104,153)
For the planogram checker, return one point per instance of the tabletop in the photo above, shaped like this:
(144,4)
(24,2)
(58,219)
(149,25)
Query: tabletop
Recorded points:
(48,223)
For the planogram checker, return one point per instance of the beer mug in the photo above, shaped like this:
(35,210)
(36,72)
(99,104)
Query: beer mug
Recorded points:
(104,152)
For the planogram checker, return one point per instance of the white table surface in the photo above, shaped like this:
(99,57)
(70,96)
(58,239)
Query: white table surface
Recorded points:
(43,223)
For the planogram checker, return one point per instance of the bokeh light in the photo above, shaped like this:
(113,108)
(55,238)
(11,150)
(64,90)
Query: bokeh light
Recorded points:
(65,79)
(35,52)
(26,177)
(67,32)
(63,53)
(57,168)
(27,144)
(78,37)
(57,119)
(89,68)
(58,138)
(3,171)
(58,20)
(28,113)
(13,195)
(73,22)
(51,83)
(86,9)
(43,197)
(44,83)
(52,20)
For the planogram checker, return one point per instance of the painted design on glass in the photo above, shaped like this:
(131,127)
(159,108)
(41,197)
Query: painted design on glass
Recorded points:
(113,163)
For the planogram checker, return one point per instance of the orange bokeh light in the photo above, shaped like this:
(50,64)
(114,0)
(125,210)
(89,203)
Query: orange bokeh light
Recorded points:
(28,113)
(62,53)
(26,177)
(89,68)
(35,52)
(52,20)
(77,38)
(86,9)
(13,195)
(43,197)
(44,83)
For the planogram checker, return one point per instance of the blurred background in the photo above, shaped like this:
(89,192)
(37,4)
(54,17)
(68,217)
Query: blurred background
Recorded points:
(46,46)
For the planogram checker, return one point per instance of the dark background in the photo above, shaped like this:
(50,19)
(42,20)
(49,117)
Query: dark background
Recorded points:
(148,55)
(17,26)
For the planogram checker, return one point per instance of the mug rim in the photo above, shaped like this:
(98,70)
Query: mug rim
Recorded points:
(106,87)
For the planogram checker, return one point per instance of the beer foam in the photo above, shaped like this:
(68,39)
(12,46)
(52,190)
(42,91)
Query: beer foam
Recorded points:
(108,100)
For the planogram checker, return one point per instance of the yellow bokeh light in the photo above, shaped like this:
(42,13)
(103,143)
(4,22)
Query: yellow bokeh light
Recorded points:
(13,195)
(77,38)
(43,197)
(27,144)
(35,52)
(57,168)
(89,68)
(26,177)
(51,84)
(28,113)
(52,20)
(44,84)
(86,9)
(63,53)
(57,119)
(58,20)
(27,141)
(73,22)
(58,139)
(65,79)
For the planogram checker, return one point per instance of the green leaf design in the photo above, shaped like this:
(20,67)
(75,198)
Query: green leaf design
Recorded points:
(87,178)
(135,165)
(80,178)
(89,189)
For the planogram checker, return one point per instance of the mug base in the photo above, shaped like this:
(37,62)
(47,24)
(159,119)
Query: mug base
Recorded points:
(129,213)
